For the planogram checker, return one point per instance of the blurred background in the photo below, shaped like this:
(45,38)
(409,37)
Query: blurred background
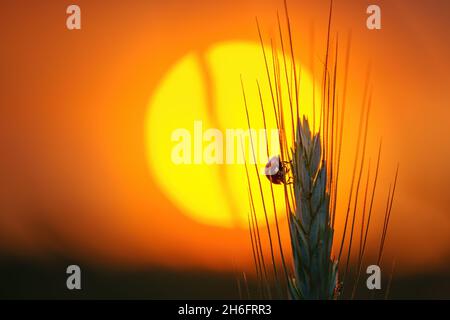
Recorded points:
(80,183)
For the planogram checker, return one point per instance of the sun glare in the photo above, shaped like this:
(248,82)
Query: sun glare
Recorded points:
(200,99)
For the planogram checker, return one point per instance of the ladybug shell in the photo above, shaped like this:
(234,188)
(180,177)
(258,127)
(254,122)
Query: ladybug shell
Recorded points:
(274,170)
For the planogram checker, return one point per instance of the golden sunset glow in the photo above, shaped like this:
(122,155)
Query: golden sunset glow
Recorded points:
(88,117)
(206,87)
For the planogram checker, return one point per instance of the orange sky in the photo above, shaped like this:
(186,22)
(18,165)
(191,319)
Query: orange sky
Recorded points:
(73,165)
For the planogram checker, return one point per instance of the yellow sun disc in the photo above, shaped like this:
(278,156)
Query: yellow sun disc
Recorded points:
(194,119)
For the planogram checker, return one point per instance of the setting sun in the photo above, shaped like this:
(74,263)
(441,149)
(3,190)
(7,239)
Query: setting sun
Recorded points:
(203,91)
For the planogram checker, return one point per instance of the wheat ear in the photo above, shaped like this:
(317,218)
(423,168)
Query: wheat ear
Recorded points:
(316,273)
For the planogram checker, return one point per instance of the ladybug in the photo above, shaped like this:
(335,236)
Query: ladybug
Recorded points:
(275,170)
